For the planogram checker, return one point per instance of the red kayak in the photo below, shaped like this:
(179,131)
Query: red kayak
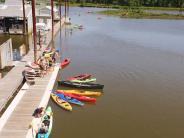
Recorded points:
(80,77)
(78,97)
(65,63)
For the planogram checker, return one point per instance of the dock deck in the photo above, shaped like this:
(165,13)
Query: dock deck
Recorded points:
(16,125)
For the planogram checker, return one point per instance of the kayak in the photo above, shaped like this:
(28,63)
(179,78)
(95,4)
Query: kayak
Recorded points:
(46,124)
(69,99)
(65,63)
(80,27)
(80,77)
(78,97)
(81,92)
(84,81)
(77,26)
(80,85)
(65,105)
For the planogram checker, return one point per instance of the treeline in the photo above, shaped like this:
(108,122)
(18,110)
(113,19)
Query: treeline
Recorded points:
(153,3)
(150,3)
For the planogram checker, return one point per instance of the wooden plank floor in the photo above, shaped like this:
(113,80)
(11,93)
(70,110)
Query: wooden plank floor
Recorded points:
(10,83)
(18,123)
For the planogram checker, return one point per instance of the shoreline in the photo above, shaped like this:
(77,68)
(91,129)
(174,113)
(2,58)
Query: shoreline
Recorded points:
(123,7)
(135,12)
(140,14)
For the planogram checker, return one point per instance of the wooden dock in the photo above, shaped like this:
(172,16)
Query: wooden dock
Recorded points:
(15,124)
(7,84)
(18,123)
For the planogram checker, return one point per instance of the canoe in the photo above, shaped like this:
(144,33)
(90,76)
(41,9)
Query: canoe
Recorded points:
(80,85)
(84,81)
(80,77)
(79,97)
(80,27)
(65,105)
(69,99)
(81,92)
(65,63)
(76,26)
(46,124)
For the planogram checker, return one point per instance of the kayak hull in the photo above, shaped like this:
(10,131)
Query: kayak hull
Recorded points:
(82,92)
(80,77)
(65,63)
(81,85)
(69,99)
(79,97)
(84,81)
(65,105)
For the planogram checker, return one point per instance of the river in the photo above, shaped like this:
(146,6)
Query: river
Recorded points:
(141,64)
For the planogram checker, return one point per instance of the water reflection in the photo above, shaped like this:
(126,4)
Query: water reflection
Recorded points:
(141,64)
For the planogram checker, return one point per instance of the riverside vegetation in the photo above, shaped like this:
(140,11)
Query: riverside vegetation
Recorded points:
(132,8)
(135,8)
(134,12)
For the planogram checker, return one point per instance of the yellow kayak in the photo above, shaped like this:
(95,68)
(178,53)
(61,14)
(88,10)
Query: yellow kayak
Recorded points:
(61,102)
(82,92)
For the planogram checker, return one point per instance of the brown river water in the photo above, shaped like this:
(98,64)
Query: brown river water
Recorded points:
(141,64)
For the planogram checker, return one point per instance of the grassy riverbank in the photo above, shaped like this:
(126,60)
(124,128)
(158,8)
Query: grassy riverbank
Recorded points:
(137,13)
(122,7)
(133,12)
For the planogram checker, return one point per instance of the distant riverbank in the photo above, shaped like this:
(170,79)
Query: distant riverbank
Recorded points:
(139,13)
(111,6)
(136,12)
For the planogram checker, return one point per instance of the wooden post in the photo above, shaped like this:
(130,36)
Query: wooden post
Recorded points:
(34,30)
(68,8)
(52,16)
(65,9)
(39,38)
(24,17)
(60,12)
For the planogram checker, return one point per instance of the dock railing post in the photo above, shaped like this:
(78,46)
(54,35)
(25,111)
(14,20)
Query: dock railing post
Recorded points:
(34,30)
(65,10)
(52,16)
(60,12)
(24,17)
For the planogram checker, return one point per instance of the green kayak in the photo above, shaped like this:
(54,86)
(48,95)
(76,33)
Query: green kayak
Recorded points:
(47,121)
(84,81)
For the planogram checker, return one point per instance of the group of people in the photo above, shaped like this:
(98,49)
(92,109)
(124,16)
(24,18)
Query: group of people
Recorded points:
(42,66)
(44,126)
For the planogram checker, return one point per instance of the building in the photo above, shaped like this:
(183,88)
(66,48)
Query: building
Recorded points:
(44,16)
(6,55)
(11,17)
